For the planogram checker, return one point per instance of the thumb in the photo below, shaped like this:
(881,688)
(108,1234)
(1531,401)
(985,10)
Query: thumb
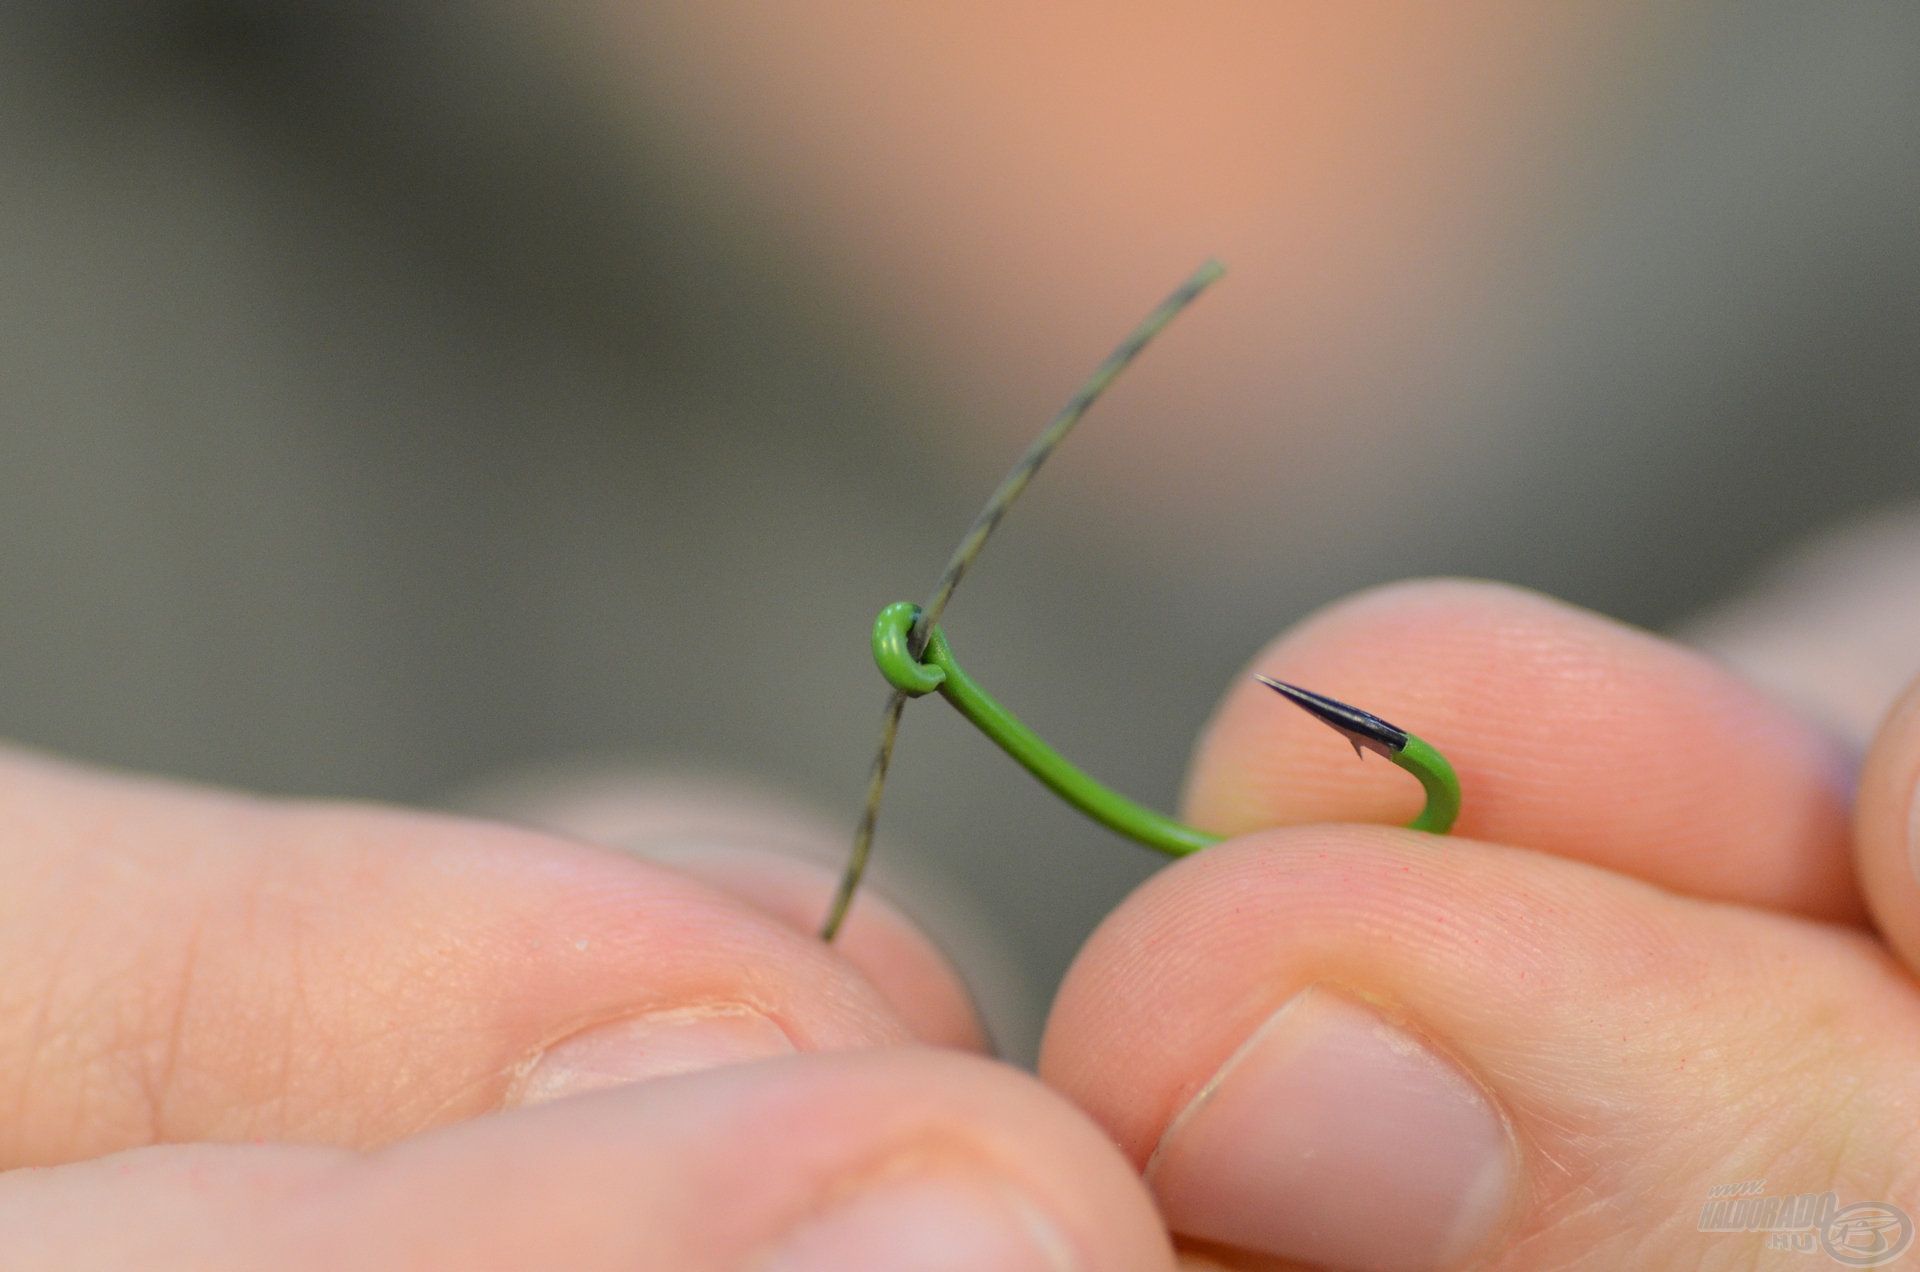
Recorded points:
(1366,1048)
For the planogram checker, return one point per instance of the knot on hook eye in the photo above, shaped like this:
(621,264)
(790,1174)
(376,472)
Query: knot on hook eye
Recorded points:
(903,671)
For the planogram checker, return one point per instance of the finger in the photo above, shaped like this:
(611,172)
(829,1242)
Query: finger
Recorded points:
(183,965)
(896,1161)
(1571,734)
(765,850)
(1888,827)
(1364,1047)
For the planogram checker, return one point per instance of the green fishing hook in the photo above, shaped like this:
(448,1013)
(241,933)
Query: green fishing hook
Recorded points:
(914,656)
(935,671)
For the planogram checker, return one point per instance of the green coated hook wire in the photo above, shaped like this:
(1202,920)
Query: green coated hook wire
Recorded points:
(936,671)
(913,655)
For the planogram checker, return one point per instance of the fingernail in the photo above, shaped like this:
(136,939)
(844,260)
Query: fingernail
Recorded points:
(926,1225)
(651,1046)
(1334,1137)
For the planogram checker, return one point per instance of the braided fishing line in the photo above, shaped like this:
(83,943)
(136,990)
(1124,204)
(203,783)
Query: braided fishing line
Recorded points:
(968,549)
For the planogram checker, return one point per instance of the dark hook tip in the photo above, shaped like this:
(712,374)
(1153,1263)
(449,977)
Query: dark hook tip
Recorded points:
(1362,728)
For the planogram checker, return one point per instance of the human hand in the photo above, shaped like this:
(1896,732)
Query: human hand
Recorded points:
(1654,959)
(237,1034)
(1518,1055)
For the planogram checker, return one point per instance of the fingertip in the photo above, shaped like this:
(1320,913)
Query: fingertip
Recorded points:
(899,958)
(1570,733)
(1413,652)
(767,850)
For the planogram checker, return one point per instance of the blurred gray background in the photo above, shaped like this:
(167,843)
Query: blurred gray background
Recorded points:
(396,395)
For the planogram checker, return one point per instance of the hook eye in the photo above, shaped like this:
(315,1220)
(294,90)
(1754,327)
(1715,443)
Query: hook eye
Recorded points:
(903,671)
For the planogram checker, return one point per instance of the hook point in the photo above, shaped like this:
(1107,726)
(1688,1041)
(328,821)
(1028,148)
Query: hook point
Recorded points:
(1362,729)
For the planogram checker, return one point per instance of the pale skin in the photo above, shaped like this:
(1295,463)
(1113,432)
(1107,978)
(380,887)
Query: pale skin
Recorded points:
(1671,946)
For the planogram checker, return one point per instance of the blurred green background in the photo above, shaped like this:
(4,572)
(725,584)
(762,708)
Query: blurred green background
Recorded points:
(396,395)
